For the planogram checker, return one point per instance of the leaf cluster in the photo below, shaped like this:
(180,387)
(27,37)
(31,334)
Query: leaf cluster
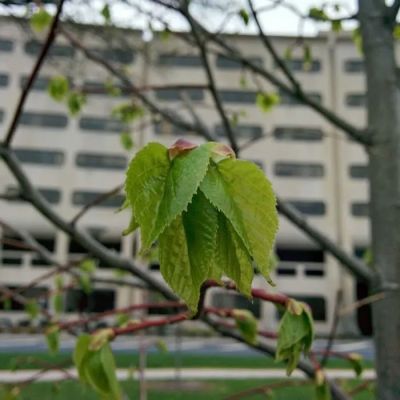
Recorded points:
(212,215)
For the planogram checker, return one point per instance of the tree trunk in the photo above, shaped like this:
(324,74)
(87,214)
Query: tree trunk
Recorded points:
(383,101)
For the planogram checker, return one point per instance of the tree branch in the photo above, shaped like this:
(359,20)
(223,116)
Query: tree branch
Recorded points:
(35,71)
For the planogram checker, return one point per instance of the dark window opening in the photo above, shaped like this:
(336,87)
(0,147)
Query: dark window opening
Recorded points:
(41,83)
(282,271)
(115,55)
(238,96)
(83,198)
(177,95)
(288,100)
(242,131)
(298,134)
(37,293)
(4,80)
(356,100)
(300,255)
(312,208)
(180,60)
(317,305)
(354,66)
(99,300)
(299,170)
(101,124)
(358,171)
(51,120)
(298,65)
(33,47)
(360,209)
(43,157)
(6,45)
(100,161)
(314,272)
(228,63)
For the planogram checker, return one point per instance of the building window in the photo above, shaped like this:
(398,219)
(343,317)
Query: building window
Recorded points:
(179,60)
(43,157)
(298,65)
(95,124)
(6,45)
(357,171)
(312,208)
(4,80)
(242,131)
(99,300)
(356,100)
(82,198)
(40,83)
(238,96)
(39,294)
(1,116)
(299,170)
(115,55)
(176,95)
(300,255)
(33,48)
(354,66)
(227,63)
(288,100)
(53,120)
(100,161)
(298,134)
(53,196)
(360,209)
(232,300)
(101,88)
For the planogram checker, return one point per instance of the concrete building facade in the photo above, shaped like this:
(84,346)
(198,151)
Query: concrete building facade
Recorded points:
(74,159)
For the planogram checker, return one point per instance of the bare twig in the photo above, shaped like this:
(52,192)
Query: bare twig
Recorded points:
(35,71)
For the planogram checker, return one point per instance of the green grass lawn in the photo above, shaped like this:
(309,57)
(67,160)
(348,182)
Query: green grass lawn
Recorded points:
(210,390)
(157,360)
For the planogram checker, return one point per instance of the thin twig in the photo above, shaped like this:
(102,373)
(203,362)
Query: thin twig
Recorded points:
(35,71)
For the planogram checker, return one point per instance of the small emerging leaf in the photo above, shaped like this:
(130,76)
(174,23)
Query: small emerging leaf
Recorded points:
(40,20)
(106,13)
(127,112)
(32,308)
(88,265)
(75,102)
(266,101)
(247,325)
(307,57)
(356,362)
(161,346)
(58,87)
(126,140)
(318,14)
(244,15)
(53,339)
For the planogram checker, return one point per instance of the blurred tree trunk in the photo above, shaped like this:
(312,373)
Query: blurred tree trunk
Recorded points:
(383,102)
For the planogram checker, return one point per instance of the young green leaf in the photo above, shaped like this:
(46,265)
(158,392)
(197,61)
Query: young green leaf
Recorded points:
(247,325)
(295,336)
(126,140)
(322,390)
(357,39)
(307,57)
(161,346)
(106,13)
(32,308)
(58,87)
(40,20)
(85,282)
(244,15)
(336,25)
(58,303)
(240,190)
(266,101)
(75,102)
(53,338)
(356,363)
(88,265)
(318,14)
(127,112)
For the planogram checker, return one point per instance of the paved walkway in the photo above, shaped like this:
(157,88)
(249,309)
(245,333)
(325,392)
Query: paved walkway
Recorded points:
(184,373)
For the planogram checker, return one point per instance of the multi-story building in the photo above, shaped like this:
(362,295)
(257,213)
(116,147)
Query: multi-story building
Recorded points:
(74,159)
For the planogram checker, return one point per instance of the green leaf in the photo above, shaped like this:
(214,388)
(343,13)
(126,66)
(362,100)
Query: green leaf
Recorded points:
(58,87)
(244,15)
(318,14)
(296,333)
(266,101)
(122,319)
(80,351)
(58,303)
(336,25)
(307,57)
(59,282)
(105,12)
(145,184)
(133,225)
(32,308)
(53,339)
(357,39)
(175,265)
(356,363)
(156,184)
(161,346)
(85,282)
(396,31)
(126,140)
(40,20)
(232,257)
(75,102)
(322,390)
(127,112)
(88,265)
(247,325)
(240,190)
